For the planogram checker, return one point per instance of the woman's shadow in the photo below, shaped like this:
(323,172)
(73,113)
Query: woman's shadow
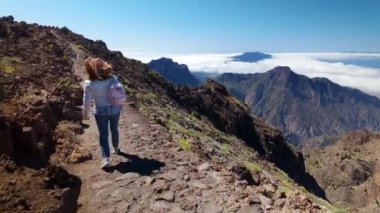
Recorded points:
(144,167)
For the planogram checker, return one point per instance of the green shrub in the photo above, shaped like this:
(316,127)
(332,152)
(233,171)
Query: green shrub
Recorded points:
(252,166)
(129,90)
(78,46)
(184,143)
(146,97)
(65,83)
(225,149)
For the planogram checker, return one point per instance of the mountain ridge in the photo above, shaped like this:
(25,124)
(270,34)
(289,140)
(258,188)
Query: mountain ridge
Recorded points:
(304,107)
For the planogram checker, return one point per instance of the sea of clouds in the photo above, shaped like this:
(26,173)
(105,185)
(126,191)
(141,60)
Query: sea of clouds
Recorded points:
(346,69)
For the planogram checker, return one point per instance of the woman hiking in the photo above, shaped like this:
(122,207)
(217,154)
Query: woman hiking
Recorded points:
(101,88)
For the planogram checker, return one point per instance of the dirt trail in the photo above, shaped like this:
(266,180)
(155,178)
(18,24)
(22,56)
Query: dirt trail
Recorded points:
(146,177)
(78,66)
(151,175)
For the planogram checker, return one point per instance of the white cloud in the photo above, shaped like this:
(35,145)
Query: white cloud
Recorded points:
(309,64)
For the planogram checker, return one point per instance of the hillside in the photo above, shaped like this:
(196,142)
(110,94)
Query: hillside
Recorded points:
(302,107)
(175,73)
(168,132)
(348,168)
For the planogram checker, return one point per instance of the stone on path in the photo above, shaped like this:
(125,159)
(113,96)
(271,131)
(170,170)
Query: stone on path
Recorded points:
(159,206)
(253,199)
(204,167)
(186,177)
(171,175)
(127,176)
(210,208)
(101,184)
(166,196)
(159,186)
(149,180)
(269,189)
(251,209)
(198,184)
(125,183)
(182,163)
(176,210)
(216,176)
(265,201)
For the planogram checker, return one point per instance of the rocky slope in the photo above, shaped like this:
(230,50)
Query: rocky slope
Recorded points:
(175,73)
(348,168)
(41,71)
(38,119)
(302,107)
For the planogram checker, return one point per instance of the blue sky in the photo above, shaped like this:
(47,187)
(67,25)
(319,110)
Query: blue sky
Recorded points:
(212,25)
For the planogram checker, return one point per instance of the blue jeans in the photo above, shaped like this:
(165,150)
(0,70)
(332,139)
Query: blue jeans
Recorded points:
(102,122)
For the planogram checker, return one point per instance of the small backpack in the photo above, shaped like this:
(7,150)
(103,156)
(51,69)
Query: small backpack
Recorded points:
(116,92)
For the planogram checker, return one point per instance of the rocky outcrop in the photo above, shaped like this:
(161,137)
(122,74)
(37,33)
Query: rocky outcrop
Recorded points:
(175,73)
(38,92)
(302,107)
(226,113)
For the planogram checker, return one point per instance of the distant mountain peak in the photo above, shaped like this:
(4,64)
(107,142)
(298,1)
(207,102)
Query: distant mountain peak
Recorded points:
(287,71)
(164,59)
(251,57)
(284,74)
(282,70)
(174,72)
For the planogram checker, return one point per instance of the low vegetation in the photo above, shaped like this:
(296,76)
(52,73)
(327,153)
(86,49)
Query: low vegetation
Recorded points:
(184,144)
(251,166)
(8,64)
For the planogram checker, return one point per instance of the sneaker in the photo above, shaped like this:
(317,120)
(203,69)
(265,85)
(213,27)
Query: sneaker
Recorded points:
(105,163)
(116,151)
